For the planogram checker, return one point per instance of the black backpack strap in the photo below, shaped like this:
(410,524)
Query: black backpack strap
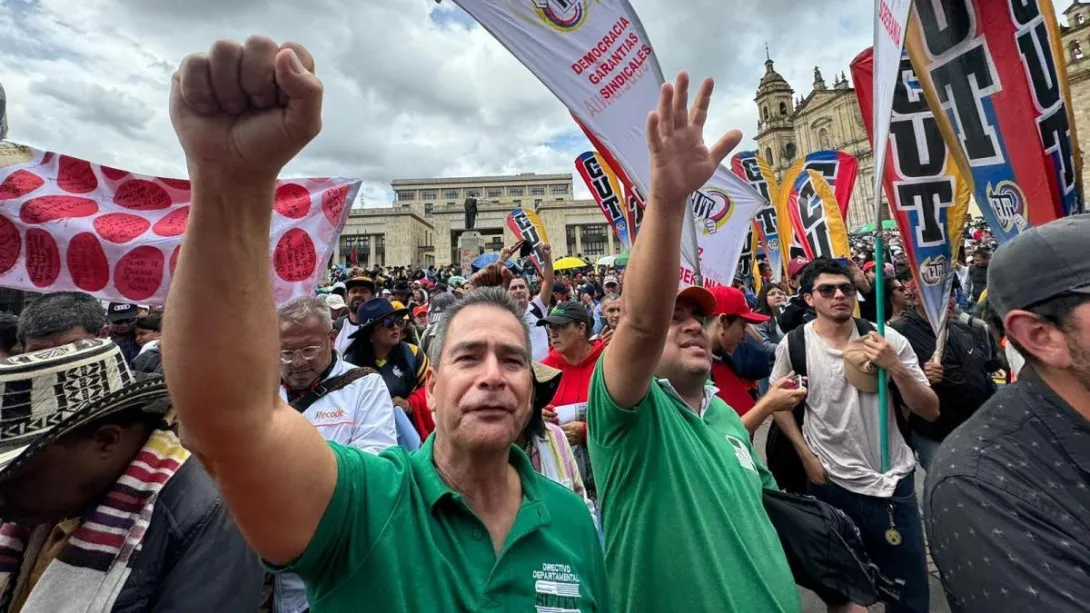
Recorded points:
(796,349)
(341,381)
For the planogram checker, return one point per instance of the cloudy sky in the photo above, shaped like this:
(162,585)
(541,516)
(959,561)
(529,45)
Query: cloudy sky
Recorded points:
(413,88)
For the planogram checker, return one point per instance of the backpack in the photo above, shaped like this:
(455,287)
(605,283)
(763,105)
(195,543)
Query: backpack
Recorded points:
(783,460)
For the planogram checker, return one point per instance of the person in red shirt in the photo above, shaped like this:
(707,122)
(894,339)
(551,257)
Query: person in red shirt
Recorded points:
(727,329)
(573,353)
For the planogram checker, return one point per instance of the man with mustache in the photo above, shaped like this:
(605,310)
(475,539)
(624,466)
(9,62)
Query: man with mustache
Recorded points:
(359,291)
(465,523)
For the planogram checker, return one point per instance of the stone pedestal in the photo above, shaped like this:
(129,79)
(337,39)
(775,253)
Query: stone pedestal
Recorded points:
(470,246)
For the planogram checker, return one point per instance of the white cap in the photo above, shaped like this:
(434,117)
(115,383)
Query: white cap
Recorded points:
(335,302)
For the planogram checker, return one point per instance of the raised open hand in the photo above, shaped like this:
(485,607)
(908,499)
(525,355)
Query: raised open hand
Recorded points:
(244,111)
(680,162)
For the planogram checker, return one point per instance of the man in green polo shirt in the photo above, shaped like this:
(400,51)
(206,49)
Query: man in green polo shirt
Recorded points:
(464,524)
(679,484)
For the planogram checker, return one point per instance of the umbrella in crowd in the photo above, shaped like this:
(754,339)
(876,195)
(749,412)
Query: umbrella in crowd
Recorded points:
(569,263)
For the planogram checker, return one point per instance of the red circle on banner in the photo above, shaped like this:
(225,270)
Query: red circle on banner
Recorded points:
(142,195)
(121,228)
(87,262)
(19,184)
(43,259)
(333,201)
(294,258)
(139,273)
(292,201)
(48,208)
(10,244)
(75,176)
(174,259)
(113,174)
(173,223)
(47,158)
(182,184)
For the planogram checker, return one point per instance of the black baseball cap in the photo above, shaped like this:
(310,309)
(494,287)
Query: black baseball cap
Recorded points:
(1042,263)
(120,311)
(566,313)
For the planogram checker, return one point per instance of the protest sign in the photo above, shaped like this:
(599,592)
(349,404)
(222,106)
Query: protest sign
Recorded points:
(527,226)
(754,169)
(69,225)
(606,190)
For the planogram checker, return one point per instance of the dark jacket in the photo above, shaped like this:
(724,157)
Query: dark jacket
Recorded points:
(966,381)
(128,345)
(193,557)
(149,362)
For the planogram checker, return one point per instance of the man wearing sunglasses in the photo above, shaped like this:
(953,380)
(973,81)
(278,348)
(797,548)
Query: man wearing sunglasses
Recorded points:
(838,442)
(1006,504)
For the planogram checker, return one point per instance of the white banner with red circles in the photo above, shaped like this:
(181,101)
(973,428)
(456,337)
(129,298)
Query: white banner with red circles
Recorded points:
(69,225)
(595,56)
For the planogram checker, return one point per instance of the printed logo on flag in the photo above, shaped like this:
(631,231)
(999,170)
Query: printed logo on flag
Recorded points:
(1009,205)
(562,15)
(933,270)
(712,208)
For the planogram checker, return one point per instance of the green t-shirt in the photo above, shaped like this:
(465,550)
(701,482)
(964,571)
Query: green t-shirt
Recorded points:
(681,508)
(396,537)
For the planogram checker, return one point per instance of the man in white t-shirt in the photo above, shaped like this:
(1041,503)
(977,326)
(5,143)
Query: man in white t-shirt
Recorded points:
(359,290)
(839,441)
(535,309)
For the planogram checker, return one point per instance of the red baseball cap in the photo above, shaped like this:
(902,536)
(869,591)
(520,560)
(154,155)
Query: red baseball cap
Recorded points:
(795,266)
(420,310)
(699,296)
(730,301)
(869,266)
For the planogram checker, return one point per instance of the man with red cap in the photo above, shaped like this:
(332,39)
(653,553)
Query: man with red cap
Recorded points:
(731,321)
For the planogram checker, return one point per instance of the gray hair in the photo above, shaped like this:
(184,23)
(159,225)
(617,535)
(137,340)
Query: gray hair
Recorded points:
(302,309)
(494,297)
(610,297)
(60,312)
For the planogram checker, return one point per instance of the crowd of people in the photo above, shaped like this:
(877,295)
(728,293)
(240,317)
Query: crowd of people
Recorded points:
(419,440)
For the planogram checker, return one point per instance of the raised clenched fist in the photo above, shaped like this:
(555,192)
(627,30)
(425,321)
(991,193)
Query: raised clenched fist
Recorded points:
(244,111)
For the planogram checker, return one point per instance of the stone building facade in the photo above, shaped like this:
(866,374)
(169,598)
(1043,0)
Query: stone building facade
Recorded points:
(789,129)
(428,215)
(1075,36)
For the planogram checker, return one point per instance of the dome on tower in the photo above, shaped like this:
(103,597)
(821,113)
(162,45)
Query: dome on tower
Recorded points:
(772,81)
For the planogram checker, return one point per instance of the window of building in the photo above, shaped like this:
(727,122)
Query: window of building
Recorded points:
(429,210)
(451,194)
(560,190)
(1076,50)
(573,247)
(783,108)
(427,194)
(516,191)
(768,156)
(380,249)
(788,151)
(537,204)
(537,190)
(823,138)
(1079,19)
(517,203)
(496,244)
(406,195)
(495,192)
(764,113)
(594,241)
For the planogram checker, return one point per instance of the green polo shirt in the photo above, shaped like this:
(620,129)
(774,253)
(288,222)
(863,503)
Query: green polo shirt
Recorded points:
(396,537)
(680,495)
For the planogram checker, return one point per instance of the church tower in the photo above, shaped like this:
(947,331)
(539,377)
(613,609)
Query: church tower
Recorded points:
(775,127)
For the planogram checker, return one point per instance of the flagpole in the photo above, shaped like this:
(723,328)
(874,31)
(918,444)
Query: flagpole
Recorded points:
(880,309)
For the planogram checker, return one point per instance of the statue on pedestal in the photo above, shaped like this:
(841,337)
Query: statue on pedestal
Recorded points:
(471,211)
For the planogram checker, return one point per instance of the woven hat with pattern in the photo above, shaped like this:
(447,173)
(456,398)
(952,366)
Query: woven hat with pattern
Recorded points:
(47,394)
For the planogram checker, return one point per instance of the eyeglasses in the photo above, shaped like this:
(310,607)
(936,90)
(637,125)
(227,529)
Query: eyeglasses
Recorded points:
(393,323)
(828,291)
(310,353)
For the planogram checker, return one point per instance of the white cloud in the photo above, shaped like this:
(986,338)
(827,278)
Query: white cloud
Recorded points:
(413,89)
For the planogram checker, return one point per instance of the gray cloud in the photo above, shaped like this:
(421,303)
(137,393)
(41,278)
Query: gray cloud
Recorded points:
(411,90)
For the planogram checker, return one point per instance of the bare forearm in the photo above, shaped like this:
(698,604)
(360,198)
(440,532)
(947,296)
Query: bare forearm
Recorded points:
(634,352)
(221,324)
(786,422)
(919,398)
(548,279)
(757,415)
